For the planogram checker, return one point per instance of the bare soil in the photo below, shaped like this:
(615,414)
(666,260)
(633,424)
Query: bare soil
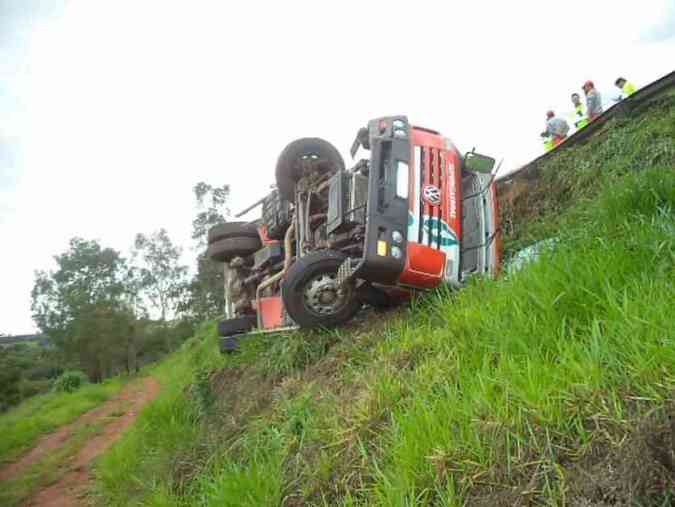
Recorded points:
(70,487)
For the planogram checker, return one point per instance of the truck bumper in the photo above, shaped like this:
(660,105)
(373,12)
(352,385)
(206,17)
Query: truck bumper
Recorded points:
(387,209)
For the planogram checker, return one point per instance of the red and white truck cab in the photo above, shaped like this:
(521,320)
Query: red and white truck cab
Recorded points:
(432,211)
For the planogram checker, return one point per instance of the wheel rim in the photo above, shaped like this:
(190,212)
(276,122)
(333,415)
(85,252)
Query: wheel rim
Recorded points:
(323,296)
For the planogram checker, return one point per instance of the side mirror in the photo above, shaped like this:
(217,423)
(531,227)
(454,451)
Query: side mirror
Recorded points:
(479,163)
(362,139)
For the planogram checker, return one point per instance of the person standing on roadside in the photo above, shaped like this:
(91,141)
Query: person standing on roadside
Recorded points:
(580,118)
(593,100)
(556,131)
(627,88)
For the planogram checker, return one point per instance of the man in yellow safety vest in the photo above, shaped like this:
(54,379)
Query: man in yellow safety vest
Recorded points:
(580,118)
(626,87)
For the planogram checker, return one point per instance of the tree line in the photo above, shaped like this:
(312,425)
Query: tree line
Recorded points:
(104,313)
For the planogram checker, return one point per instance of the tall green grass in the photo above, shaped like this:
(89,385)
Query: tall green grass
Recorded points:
(503,374)
(503,382)
(22,426)
(163,434)
(524,365)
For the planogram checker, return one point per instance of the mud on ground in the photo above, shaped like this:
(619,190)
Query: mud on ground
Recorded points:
(70,487)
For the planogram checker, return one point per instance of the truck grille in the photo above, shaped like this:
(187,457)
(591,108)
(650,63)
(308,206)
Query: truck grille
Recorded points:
(431,173)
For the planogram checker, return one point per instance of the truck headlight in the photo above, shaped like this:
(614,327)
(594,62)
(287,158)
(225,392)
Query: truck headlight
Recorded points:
(396,252)
(396,236)
(402,179)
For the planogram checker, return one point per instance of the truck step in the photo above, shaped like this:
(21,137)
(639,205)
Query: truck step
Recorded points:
(346,270)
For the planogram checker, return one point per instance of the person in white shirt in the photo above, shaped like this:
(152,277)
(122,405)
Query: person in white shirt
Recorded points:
(556,128)
(593,100)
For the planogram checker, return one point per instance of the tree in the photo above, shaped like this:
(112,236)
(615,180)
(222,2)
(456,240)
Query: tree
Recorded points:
(26,369)
(161,276)
(10,393)
(212,209)
(205,292)
(206,298)
(83,306)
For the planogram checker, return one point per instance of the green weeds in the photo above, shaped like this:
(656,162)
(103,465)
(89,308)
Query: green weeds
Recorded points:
(493,395)
(22,426)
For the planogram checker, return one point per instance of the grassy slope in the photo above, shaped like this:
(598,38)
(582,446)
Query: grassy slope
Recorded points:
(530,387)
(21,426)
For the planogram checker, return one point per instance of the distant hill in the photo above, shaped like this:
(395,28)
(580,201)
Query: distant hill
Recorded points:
(38,339)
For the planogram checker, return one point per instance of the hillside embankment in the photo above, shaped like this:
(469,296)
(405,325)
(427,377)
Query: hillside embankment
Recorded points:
(552,385)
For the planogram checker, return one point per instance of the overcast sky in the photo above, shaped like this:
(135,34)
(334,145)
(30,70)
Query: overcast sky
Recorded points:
(110,111)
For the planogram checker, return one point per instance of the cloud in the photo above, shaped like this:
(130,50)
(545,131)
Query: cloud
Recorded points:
(9,151)
(664,28)
(16,18)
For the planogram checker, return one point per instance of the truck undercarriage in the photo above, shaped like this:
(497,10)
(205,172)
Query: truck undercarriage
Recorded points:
(411,216)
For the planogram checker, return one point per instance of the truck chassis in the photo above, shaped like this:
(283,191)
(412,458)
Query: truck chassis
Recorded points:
(411,216)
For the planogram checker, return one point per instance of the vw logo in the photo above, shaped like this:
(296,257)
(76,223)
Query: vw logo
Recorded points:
(431,194)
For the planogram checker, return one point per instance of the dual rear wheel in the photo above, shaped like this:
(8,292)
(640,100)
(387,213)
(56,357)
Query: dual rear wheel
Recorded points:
(232,239)
(230,330)
(227,241)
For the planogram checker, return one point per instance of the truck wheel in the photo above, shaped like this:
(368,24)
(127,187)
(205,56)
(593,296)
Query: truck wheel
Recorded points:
(311,294)
(232,230)
(229,344)
(238,325)
(324,156)
(224,250)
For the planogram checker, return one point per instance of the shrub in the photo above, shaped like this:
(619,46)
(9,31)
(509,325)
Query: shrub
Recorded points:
(70,381)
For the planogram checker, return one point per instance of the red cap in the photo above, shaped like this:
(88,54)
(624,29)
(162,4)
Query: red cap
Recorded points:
(550,114)
(588,84)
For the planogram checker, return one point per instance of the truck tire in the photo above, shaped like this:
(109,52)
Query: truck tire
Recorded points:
(232,230)
(238,325)
(289,169)
(228,344)
(310,293)
(224,250)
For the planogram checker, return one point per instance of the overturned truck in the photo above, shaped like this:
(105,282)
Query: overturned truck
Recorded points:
(411,216)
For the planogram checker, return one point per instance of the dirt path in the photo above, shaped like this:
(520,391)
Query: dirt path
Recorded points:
(74,475)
